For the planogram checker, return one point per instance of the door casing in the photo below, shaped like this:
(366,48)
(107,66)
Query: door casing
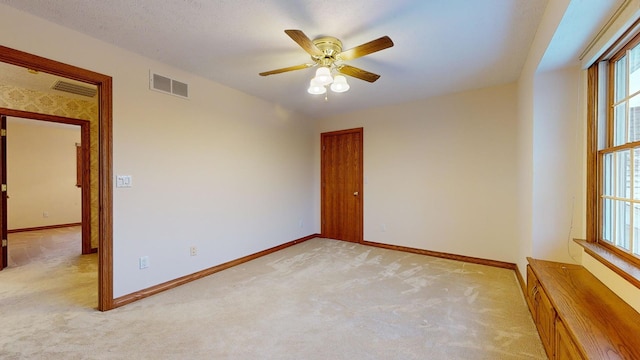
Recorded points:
(4,249)
(105,157)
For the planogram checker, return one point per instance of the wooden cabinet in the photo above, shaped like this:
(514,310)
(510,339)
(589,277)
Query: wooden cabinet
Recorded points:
(566,349)
(544,315)
(546,322)
(578,317)
(532,288)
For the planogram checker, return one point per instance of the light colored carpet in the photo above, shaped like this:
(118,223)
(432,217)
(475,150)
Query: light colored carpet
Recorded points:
(321,299)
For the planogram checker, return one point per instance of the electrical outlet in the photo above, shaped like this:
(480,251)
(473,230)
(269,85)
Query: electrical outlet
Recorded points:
(383,227)
(301,224)
(144,262)
(193,250)
(45,214)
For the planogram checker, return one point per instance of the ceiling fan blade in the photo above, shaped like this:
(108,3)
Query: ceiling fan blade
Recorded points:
(367,48)
(290,68)
(358,73)
(304,42)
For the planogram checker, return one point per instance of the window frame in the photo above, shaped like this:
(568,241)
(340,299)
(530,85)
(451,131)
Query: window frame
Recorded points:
(604,70)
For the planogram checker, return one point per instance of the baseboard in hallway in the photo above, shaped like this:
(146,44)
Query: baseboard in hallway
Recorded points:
(39,228)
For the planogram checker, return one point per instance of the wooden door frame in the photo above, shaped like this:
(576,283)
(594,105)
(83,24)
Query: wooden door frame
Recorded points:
(323,209)
(86,156)
(4,260)
(105,157)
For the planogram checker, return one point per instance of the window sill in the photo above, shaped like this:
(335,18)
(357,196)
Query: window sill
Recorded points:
(628,270)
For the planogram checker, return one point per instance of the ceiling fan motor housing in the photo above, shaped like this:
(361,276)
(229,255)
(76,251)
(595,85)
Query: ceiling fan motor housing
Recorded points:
(330,47)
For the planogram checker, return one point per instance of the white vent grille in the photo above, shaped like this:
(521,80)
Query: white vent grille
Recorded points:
(168,85)
(73,88)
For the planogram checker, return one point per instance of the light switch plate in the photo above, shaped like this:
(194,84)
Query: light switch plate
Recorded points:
(144,262)
(123,181)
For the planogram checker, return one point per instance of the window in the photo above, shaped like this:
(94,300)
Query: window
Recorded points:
(614,140)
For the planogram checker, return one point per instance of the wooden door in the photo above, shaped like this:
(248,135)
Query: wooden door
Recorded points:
(3,198)
(341,181)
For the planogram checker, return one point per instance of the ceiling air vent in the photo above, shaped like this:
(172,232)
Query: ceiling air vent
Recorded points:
(168,85)
(73,88)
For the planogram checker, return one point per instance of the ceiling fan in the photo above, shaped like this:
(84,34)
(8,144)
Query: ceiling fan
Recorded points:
(326,52)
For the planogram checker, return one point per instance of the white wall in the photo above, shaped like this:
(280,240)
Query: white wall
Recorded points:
(223,171)
(525,165)
(440,173)
(558,147)
(525,128)
(41,174)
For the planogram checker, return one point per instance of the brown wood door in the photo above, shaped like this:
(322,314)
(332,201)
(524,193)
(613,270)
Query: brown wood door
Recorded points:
(341,181)
(3,198)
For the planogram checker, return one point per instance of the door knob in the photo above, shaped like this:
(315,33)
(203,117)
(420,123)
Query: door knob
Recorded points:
(355,193)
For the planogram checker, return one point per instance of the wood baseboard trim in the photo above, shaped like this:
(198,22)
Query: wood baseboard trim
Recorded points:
(127,299)
(523,284)
(48,227)
(468,259)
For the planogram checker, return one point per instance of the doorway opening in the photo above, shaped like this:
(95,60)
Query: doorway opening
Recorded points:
(102,212)
(36,150)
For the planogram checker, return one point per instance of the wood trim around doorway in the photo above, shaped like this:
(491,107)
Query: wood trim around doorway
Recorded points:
(105,157)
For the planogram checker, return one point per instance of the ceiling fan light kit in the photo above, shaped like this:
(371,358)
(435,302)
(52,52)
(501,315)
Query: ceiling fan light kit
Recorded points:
(326,52)
(340,84)
(316,88)
(323,76)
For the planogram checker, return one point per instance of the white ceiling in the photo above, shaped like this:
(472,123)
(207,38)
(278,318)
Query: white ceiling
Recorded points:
(441,46)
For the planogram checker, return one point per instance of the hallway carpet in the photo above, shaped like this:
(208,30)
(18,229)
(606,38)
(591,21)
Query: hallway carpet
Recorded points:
(321,299)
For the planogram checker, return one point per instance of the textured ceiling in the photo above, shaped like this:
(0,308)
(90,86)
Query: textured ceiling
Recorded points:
(441,46)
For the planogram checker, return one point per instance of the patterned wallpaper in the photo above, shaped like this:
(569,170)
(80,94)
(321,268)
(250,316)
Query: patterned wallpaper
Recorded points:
(16,98)
(34,101)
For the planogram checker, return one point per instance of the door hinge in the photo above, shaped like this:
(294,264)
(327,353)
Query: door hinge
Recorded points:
(5,243)
(3,132)
(4,188)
